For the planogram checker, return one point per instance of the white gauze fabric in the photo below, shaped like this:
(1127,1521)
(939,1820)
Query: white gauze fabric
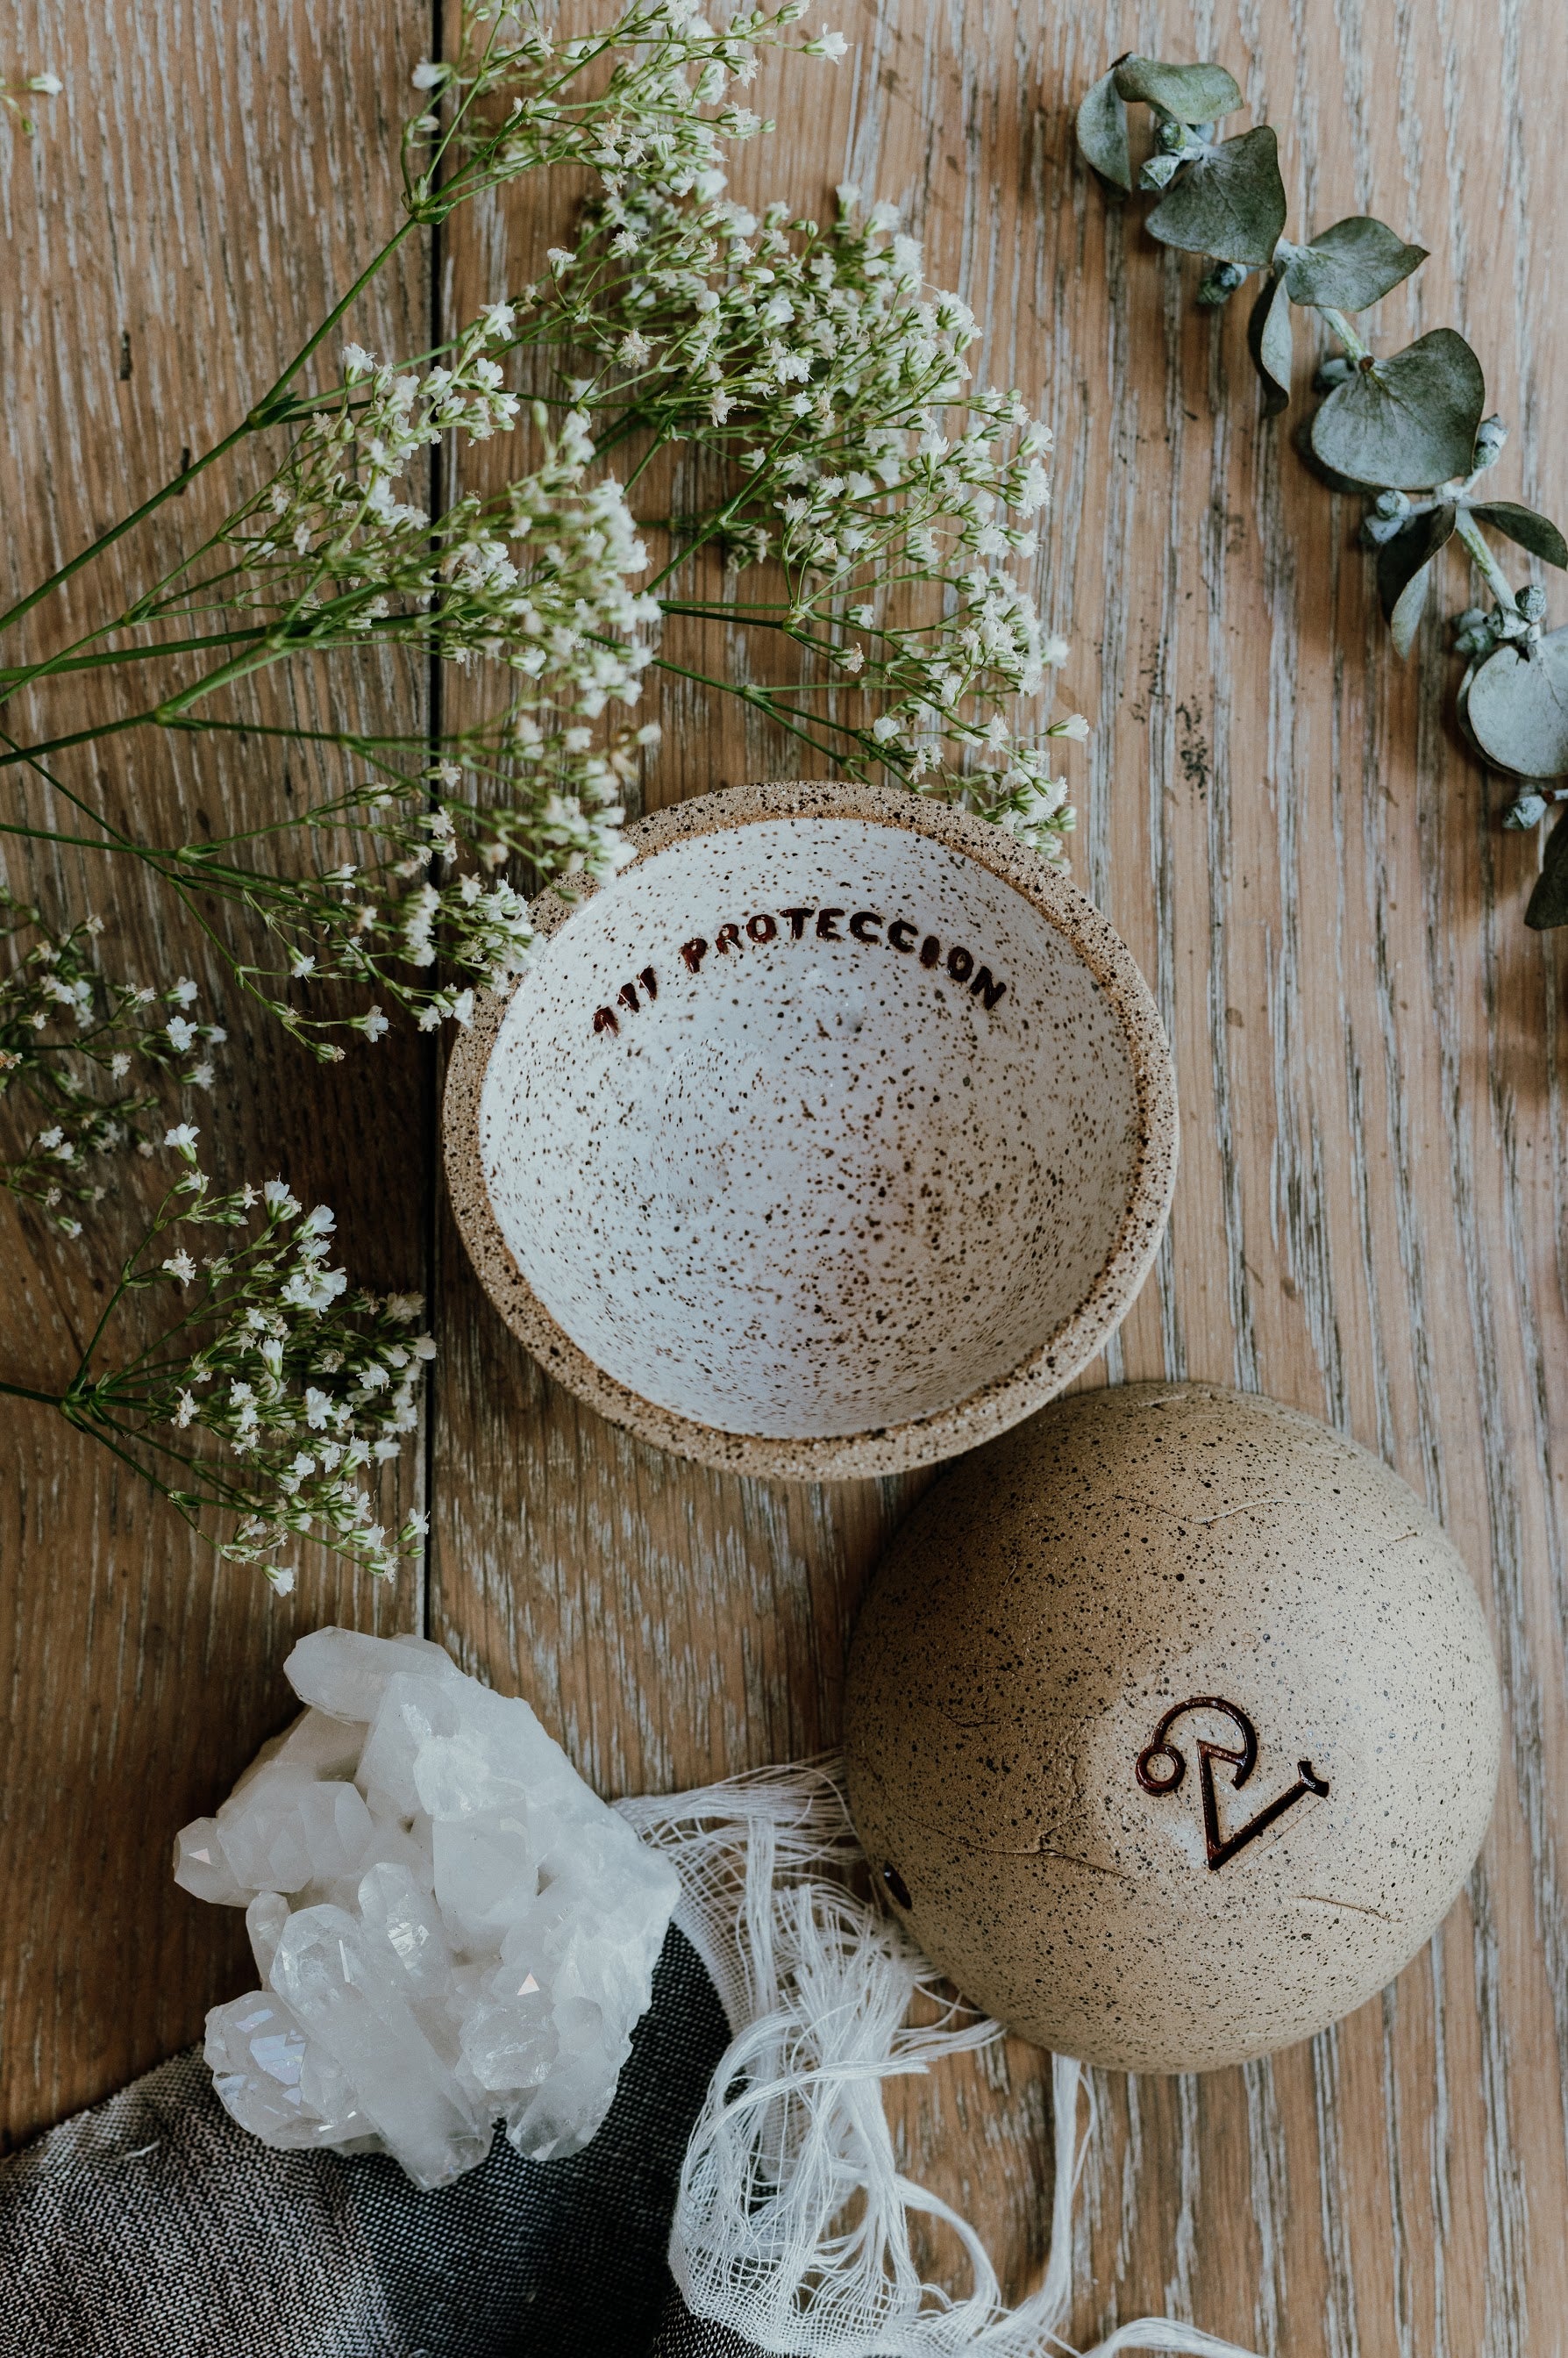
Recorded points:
(792,2219)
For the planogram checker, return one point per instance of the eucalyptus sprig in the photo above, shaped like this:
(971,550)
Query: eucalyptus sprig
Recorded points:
(268,1390)
(1408,432)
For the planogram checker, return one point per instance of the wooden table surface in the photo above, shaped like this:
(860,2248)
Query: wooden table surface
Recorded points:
(1370,1223)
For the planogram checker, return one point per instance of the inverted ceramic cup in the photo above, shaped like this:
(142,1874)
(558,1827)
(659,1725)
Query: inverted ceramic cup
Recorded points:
(831,1136)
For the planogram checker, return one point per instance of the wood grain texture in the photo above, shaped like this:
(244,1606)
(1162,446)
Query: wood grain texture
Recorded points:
(208,183)
(1370,1220)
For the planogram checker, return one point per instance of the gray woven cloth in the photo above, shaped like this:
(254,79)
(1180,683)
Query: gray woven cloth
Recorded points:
(154,2227)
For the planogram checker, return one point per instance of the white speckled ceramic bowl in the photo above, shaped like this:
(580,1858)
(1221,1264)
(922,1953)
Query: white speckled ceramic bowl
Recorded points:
(834,1136)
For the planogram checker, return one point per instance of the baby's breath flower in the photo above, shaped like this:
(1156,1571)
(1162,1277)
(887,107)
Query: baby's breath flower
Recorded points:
(274,1349)
(899,503)
(64,1028)
(837,380)
(13,96)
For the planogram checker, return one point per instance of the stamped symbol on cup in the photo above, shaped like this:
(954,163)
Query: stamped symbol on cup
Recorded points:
(1161,1767)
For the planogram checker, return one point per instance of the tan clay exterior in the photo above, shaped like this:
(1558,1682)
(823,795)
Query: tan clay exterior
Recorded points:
(1046,1608)
(1135,1225)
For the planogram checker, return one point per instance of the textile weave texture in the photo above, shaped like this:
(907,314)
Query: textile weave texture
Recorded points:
(153,2226)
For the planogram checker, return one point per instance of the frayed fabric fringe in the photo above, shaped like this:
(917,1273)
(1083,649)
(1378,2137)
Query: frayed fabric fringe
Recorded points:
(792,2219)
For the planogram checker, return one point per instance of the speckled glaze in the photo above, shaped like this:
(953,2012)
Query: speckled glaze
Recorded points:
(831,1136)
(1037,1619)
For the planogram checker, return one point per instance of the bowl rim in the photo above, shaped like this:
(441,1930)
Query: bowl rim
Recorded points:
(1046,1369)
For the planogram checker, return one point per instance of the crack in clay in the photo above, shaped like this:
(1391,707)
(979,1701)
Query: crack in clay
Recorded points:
(1204,1522)
(1323,1899)
(1048,1850)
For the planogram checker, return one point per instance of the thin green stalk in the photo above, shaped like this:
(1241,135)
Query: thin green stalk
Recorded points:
(353,740)
(258,420)
(86,1422)
(760,697)
(716,612)
(714,524)
(26,1391)
(54,834)
(56,581)
(24,675)
(34,754)
(118,1295)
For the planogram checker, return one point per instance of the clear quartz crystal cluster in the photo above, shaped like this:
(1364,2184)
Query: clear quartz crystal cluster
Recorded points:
(449,1925)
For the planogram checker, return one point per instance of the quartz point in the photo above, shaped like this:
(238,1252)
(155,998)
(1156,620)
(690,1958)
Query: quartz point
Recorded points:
(449,1925)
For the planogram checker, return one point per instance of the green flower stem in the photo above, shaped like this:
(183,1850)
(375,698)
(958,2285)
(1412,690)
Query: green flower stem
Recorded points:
(760,698)
(35,754)
(140,611)
(105,540)
(716,612)
(26,1391)
(715,523)
(54,834)
(1467,530)
(12,678)
(263,414)
(115,840)
(100,1430)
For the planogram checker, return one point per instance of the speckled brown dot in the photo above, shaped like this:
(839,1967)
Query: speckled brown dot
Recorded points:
(1031,1638)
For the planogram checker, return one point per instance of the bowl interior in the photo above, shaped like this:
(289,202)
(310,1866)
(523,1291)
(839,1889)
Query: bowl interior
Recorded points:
(809,1127)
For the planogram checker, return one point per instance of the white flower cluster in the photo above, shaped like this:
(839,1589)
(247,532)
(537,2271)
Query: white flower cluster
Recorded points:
(897,505)
(652,84)
(427,888)
(65,1030)
(537,578)
(887,513)
(297,1384)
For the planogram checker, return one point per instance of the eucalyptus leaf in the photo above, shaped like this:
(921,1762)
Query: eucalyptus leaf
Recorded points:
(1301,435)
(1231,204)
(1517,708)
(1192,93)
(1269,342)
(1404,572)
(1408,422)
(1531,531)
(1549,902)
(1102,132)
(1404,621)
(1351,265)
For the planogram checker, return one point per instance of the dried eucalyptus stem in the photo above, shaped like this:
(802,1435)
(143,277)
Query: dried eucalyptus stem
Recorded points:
(1408,433)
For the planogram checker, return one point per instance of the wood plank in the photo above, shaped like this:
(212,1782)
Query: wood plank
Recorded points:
(1280,820)
(1308,867)
(187,210)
